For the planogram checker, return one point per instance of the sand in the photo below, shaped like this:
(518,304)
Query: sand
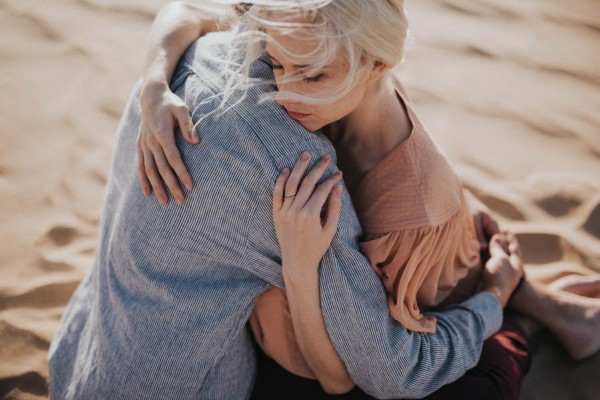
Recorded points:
(510,89)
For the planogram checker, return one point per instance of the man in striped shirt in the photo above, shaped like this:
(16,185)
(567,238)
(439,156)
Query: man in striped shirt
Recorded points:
(161,315)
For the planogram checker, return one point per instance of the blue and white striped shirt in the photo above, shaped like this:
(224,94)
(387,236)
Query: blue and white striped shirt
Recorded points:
(161,315)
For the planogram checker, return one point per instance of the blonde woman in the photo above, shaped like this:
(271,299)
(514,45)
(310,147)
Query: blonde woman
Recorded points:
(331,62)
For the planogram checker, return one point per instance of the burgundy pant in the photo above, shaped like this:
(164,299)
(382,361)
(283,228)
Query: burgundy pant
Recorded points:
(503,364)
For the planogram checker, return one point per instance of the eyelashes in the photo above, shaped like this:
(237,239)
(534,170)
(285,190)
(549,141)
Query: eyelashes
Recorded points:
(313,79)
(308,79)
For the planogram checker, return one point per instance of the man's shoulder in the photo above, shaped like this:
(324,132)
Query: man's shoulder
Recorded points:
(260,124)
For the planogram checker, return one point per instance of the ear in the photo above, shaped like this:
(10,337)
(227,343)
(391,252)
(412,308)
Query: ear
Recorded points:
(378,70)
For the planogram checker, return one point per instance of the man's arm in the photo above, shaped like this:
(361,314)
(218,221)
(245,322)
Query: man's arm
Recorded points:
(383,358)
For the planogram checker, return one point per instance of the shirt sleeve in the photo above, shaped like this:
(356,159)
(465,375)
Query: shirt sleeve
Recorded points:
(382,356)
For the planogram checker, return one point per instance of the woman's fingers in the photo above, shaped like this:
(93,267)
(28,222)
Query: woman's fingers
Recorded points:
(514,248)
(319,197)
(498,246)
(167,175)
(154,177)
(293,182)
(184,120)
(144,182)
(334,208)
(309,182)
(513,243)
(278,192)
(172,155)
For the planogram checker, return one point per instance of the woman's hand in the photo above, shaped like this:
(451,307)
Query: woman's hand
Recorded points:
(504,270)
(159,160)
(304,238)
(297,204)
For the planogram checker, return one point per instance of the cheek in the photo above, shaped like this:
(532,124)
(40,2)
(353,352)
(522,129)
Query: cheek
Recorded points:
(343,107)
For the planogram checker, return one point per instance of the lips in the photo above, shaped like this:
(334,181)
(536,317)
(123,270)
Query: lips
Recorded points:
(296,115)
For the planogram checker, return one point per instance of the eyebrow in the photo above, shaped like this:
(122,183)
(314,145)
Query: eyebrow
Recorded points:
(299,66)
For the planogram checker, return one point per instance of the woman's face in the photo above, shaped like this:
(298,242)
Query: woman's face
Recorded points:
(312,117)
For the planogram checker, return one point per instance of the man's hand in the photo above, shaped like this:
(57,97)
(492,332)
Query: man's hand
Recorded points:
(504,269)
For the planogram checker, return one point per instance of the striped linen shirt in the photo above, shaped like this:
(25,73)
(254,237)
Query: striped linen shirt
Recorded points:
(162,313)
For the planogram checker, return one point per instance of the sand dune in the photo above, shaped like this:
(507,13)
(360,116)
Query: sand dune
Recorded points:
(510,89)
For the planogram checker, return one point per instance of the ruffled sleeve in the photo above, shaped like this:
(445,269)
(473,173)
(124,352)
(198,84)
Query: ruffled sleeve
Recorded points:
(421,267)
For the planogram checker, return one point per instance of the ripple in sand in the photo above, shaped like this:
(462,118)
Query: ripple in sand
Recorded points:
(29,382)
(47,264)
(20,339)
(592,224)
(480,9)
(46,295)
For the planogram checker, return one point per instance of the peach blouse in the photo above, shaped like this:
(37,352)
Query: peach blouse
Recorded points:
(418,235)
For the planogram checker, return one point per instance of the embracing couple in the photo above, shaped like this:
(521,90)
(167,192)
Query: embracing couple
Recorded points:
(272,276)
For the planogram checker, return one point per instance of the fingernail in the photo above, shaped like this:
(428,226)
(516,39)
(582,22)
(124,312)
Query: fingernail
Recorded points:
(162,200)
(326,157)
(305,156)
(285,172)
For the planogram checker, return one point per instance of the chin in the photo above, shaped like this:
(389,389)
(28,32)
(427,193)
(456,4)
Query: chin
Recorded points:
(312,127)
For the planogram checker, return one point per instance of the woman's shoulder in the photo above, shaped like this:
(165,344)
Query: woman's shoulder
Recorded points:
(414,186)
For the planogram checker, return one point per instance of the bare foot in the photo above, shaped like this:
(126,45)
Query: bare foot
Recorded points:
(581,285)
(575,320)
(579,326)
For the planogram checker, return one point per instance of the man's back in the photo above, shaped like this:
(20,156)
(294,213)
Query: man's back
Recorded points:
(154,314)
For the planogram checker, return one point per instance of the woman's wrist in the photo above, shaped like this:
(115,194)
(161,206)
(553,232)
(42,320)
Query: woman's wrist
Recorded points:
(300,274)
(152,89)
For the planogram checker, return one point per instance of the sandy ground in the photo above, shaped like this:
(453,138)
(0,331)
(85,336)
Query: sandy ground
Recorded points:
(511,90)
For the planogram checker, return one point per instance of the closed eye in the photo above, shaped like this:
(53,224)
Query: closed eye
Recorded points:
(308,79)
(313,79)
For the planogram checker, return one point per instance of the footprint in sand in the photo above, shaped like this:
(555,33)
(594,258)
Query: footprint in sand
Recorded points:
(544,248)
(61,235)
(67,247)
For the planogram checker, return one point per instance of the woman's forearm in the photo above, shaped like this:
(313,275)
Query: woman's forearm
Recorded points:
(313,340)
(175,27)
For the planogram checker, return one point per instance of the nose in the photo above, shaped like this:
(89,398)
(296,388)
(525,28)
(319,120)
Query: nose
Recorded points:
(284,85)
(287,104)
(280,98)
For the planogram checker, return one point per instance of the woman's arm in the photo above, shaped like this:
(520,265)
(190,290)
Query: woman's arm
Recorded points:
(304,239)
(175,27)
(309,328)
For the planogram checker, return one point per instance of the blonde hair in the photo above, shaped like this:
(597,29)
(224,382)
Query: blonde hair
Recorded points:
(363,31)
